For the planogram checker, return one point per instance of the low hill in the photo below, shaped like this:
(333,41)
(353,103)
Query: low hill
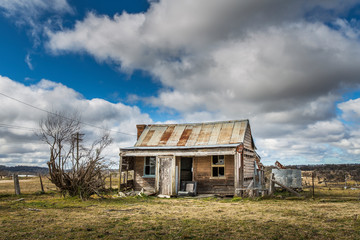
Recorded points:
(23,170)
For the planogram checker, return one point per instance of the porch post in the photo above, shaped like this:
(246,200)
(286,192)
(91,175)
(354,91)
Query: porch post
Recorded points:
(173,175)
(239,170)
(236,172)
(157,174)
(120,171)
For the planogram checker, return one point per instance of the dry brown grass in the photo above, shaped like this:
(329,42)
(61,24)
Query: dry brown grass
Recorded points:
(334,214)
(32,185)
(27,185)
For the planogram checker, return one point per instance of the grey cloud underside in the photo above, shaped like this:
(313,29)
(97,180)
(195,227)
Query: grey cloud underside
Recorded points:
(283,64)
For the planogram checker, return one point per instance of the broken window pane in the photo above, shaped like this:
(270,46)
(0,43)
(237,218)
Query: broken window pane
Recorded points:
(152,170)
(215,160)
(221,160)
(215,171)
(218,166)
(147,170)
(221,171)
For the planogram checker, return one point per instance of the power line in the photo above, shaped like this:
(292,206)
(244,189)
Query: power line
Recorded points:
(43,110)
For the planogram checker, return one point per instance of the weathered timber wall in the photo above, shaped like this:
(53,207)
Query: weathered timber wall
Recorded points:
(247,139)
(201,172)
(177,164)
(248,167)
(207,184)
(139,181)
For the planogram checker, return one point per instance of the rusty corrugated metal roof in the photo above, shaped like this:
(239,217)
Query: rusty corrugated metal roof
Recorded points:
(193,134)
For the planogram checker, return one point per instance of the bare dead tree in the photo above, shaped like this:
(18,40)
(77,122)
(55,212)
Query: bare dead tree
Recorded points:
(81,174)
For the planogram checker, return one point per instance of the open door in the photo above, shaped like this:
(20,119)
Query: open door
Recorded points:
(186,173)
(165,175)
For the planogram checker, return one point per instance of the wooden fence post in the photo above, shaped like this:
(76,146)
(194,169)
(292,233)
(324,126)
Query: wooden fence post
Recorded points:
(126,178)
(313,184)
(41,184)
(120,171)
(16,184)
(110,182)
(272,185)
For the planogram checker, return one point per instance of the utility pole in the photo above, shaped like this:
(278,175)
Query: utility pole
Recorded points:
(78,139)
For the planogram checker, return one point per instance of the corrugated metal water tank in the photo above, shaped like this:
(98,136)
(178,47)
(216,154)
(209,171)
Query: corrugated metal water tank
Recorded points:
(288,177)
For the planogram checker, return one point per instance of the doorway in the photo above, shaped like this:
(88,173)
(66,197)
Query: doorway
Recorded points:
(186,171)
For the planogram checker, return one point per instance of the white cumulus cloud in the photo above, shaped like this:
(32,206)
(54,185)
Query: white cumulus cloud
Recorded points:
(19,143)
(282,64)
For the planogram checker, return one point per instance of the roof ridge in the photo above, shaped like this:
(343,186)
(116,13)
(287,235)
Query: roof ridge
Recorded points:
(197,123)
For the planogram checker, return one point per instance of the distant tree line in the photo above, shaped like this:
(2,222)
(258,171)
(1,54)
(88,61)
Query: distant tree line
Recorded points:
(23,170)
(319,167)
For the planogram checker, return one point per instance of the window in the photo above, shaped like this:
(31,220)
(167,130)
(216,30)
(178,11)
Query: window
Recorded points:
(149,166)
(218,166)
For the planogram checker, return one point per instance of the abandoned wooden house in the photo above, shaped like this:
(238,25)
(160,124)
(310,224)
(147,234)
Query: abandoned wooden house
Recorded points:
(219,157)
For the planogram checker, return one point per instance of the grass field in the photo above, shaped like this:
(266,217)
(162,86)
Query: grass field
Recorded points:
(333,214)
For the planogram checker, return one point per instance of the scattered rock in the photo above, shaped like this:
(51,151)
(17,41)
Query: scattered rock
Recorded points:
(131,193)
(34,209)
(121,194)
(19,200)
(122,210)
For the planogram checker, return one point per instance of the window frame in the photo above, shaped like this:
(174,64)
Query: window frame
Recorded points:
(145,165)
(217,166)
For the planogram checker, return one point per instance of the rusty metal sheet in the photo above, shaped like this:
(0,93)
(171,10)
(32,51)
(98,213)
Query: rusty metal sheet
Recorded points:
(155,139)
(166,135)
(175,136)
(194,135)
(185,136)
(215,134)
(225,133)
(242,131)
(235,137)
(142,137)
(204,134)
(147,137)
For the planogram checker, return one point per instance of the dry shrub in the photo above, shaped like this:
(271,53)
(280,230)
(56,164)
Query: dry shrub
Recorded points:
(76,170)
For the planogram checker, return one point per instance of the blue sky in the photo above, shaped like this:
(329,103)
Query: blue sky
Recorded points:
(290,67)
(103,80)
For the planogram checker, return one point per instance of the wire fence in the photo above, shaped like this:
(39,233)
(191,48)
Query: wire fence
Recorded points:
(30,184)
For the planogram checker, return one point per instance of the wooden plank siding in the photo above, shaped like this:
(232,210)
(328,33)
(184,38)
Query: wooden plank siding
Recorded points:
(248,167)
(207,184)
(200,141)
(248,139)
(201,173)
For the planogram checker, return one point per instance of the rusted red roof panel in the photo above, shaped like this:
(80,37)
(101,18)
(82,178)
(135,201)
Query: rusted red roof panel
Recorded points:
(184,137)
(166,135)
(193,134)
